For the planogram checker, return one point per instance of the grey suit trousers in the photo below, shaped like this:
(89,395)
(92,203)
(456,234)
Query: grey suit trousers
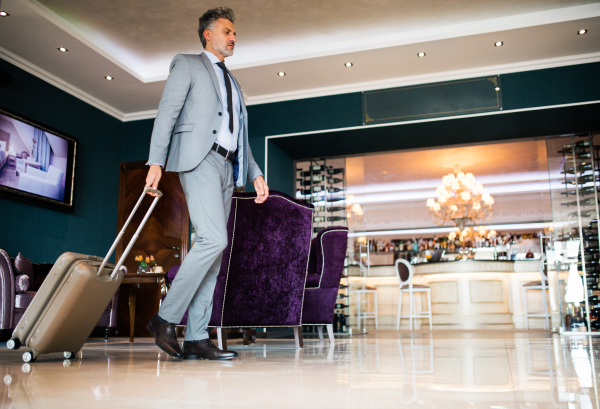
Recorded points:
(208,189)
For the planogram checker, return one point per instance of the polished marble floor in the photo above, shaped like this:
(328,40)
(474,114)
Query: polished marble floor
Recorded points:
(384,369)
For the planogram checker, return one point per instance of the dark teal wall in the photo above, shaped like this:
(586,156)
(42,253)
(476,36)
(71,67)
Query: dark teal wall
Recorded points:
(42,234)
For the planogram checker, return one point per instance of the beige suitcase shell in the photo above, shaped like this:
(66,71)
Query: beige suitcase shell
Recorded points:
(71,300)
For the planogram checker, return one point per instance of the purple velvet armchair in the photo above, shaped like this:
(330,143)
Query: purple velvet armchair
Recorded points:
(264,266)
(17,292)
(325,268)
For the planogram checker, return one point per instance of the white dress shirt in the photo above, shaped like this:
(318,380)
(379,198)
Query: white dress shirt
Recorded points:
(225,138)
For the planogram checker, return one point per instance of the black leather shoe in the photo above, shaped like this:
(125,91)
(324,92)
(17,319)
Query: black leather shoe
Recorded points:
(205,349)
(165,337)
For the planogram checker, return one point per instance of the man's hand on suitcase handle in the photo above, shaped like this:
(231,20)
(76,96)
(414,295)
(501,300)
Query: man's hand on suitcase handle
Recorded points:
(154,175)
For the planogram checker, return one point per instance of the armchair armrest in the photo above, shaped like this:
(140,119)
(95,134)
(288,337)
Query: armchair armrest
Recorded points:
(7,291)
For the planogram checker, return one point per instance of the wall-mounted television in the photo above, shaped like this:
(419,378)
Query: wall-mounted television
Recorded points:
(37,163)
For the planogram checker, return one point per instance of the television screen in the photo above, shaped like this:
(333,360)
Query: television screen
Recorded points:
(36,162)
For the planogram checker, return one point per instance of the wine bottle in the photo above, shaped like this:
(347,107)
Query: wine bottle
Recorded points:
(335,171)
(319,219)
(307,173)
(583,191)
(334,189)
(317,229)
(340,296)
(335,209)
(342,286)
(317,167)
(594,225)
(580,168)
(593,287)
(591,250)
(318,209)
(335,199)
(593,298)
(590,213)
(340,306)
(580,180)
(331,181)
(335,218)
(585,202)
(595,325)
(583,155)
(590,237)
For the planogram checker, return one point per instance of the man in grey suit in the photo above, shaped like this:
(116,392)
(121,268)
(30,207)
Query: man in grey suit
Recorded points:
(203,118)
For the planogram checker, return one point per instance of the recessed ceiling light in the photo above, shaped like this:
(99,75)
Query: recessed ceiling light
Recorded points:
(281,73)
(582,31)
(499,43)
(4,14)
(421,54)
(348,64)
(497,88)
(62,49)
(110,78)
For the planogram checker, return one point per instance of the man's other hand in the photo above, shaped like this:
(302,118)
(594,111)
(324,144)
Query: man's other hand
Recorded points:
(154,175)
(262,190)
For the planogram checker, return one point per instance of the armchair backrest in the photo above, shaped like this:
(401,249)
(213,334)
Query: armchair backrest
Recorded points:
(264,266)
(329,252)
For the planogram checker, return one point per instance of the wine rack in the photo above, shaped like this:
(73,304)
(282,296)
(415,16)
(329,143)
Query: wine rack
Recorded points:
(576,243)
(322,182)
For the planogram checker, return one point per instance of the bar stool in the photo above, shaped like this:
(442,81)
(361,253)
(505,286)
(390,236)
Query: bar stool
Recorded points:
(538,285)
(405,272)
(365,269)
(363,315)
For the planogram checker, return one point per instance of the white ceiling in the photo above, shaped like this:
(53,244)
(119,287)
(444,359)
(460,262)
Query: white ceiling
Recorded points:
(310,40)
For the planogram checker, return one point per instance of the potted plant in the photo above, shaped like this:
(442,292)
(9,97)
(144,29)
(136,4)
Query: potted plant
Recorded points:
(144,263)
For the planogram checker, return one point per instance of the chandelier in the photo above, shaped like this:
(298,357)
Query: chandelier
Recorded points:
(460,200)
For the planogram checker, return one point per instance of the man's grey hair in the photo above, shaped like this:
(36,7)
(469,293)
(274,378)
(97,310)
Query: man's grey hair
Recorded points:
(208,20)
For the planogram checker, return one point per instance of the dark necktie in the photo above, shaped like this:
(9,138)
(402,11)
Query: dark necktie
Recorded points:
(229,96)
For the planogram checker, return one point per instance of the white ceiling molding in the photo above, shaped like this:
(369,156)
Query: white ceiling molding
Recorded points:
(137,116)
(427,78)
(343,47)
(60,84)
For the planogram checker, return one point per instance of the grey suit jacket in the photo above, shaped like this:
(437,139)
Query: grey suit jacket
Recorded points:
(188,119)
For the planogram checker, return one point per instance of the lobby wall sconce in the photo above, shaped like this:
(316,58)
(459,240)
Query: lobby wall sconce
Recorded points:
(281,73)
(421,55)
(499,43)
(348,64)
(497,88)
(581,32)
(62,49)
(109,77)
(4,14)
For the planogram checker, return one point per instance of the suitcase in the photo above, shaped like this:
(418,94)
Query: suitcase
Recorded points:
(72,298)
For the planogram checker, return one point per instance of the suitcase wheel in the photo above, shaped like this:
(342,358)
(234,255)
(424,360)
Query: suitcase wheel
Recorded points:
(29,357)
(13,343)
(69,354)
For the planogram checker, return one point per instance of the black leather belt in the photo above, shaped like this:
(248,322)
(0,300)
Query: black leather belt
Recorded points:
(228,155)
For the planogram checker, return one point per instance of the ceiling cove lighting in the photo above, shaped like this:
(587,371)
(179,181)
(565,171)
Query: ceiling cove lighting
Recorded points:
(421,55)
(62,49)
(348,64)
(4,14)
(109,78)
(499,43)
(580,32)
(281,73)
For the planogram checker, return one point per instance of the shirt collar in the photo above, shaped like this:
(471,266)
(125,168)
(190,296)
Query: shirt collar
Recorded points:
(213,58)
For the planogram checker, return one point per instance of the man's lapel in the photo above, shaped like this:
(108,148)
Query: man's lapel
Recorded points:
(213,75)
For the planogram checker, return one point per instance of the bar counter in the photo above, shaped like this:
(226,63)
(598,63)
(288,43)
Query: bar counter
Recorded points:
(465,294)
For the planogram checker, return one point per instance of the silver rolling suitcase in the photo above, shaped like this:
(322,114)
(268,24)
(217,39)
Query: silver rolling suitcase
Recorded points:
(72,298)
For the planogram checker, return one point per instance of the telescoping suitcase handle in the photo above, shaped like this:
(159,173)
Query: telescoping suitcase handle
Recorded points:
(137,232)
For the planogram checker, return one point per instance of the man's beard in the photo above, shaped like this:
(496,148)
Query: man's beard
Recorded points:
(222,49)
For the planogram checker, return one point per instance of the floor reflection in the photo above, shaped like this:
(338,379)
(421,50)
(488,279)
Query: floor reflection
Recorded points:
(381,370)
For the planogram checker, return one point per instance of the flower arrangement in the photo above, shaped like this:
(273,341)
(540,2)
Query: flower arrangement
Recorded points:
(145,263)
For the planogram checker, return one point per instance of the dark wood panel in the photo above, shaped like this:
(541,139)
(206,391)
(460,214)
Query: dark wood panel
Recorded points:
(167,227)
